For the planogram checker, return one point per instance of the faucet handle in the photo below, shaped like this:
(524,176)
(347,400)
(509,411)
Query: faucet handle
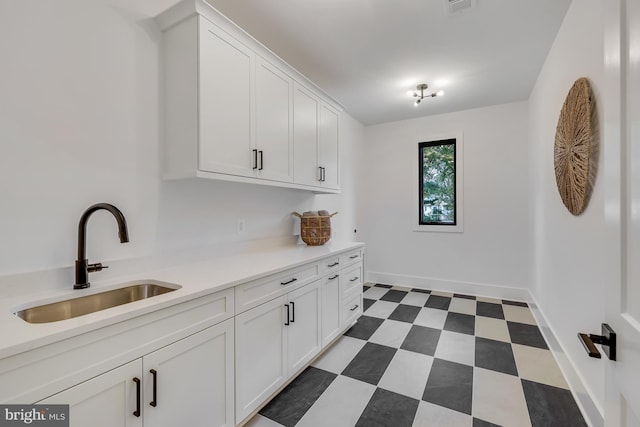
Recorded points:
(96,267)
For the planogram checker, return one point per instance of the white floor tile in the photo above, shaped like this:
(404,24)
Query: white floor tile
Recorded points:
(514,313)
(493,329)
(336,358)
(340,405)
(401,288)
(455,347)
(430,415)
(407,374)
(431,317)
(381,309)
(499,399)
(415,298)
(260,421)
(538,365)
(462,305)
(375,292)
(391,333)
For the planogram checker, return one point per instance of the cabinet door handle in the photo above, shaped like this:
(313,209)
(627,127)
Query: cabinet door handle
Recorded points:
(137,411)
(334,277)
(323,175)
(354,256)
(354,308)
(354,279)
(293,312)
(290,281)
(287,322)
(154,401)
(261,160)
(255,159)
(319,173)
(334,264)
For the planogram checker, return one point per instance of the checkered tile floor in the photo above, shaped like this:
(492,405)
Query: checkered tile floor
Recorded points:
(421,358)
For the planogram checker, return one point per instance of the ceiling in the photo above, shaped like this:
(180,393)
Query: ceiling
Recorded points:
(367,54)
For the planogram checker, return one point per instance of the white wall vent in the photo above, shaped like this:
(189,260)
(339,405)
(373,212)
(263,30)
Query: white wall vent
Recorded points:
(454,7)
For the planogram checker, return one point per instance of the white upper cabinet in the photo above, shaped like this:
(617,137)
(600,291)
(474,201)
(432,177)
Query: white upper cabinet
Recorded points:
(226,111)
(273,155)
(235,111)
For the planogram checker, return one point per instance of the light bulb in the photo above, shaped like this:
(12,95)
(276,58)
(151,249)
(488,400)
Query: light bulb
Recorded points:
(440,93)
(415,104)
(412,93)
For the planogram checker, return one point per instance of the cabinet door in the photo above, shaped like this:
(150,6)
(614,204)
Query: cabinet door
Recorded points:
(305,136)
(261,345)
(193,381)
(274,125)
(328,148)
(305,337)
(226,76)
(107,400)
(331,308)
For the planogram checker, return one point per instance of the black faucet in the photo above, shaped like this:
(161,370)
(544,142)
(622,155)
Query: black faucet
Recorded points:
(83,268)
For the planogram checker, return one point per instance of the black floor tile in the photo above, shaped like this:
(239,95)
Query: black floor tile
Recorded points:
(368,303)
(450,385)
(518,303)
(405,313)
(383,286)
(421,339)
(462,323)
(477,422)
(364,328)
(488,309)
(388,409)
(526,335)
(495,355)
(436,301)
(464,296)
(421,291)
(370,363)
(394,296)
(287,408)
(551,406)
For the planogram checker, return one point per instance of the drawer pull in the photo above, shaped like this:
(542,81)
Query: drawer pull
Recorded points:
(354,308)
(334,264)
(354,279)
(334,277)
(290,281)
(154,401)
(354,256)
(137,411)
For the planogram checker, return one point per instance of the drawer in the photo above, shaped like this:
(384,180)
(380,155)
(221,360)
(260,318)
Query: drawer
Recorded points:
(253,293)
(351,257)
(330,264)
(351,307)
(351,278)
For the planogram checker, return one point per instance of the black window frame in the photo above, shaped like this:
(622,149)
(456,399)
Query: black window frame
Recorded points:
(421,146)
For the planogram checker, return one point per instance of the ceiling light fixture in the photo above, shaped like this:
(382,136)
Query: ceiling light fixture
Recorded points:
(420,95)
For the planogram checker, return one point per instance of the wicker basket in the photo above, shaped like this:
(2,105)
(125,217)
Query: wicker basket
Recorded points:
(315,230)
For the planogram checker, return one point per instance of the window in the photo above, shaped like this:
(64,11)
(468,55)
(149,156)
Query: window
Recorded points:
(439,185)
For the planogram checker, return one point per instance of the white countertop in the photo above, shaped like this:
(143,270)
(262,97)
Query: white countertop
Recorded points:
(196,280)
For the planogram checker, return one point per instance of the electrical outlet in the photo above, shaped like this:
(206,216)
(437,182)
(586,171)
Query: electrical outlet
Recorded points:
(241,226)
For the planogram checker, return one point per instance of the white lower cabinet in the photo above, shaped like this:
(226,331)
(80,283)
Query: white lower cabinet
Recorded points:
(273,341)
(331,307)
(189,382)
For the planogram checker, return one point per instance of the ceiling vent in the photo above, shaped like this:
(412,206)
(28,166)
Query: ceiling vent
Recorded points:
(455,7)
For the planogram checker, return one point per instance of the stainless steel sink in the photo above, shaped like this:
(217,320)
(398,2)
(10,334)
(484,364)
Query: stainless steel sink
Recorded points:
(75,307)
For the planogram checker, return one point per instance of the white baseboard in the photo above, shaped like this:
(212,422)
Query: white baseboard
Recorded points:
(590,410)
(478,289)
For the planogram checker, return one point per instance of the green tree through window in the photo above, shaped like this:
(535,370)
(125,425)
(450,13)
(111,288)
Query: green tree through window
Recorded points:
(437,182)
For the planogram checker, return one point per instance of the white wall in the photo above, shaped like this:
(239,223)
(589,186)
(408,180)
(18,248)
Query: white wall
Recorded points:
(494,248)
(568,262)
(80,123)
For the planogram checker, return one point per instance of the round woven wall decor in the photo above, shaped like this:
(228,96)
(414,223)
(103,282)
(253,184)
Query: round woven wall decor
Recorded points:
(575,147)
